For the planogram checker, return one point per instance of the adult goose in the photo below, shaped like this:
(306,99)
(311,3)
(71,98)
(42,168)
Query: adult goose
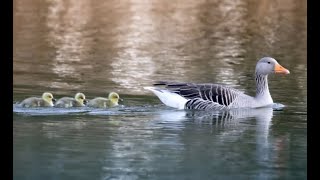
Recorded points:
(219,97)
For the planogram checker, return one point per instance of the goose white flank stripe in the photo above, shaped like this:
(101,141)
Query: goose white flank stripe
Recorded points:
(216,96)
(169,98)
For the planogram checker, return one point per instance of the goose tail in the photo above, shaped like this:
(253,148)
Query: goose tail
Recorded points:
(168,98)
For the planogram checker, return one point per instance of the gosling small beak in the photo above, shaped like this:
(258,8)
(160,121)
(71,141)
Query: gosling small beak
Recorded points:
(85,102)
(54,100)
(278,69)
(121,99)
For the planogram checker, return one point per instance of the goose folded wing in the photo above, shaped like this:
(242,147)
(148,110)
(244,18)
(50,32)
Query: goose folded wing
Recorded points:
(216,93)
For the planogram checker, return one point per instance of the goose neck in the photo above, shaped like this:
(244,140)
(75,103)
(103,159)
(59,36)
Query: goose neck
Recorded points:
(262,89)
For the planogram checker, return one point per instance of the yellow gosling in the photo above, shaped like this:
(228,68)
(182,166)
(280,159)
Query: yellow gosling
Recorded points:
(46,100)
(100,102)
(79,100)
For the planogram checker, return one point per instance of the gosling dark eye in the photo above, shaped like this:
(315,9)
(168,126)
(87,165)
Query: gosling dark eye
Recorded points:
(268,62)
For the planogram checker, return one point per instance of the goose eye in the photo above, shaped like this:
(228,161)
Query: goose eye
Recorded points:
(269,62)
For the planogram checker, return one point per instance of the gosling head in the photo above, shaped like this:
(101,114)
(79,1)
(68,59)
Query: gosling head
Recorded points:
(268,65)
(114,97)
(48,97)
(80,97)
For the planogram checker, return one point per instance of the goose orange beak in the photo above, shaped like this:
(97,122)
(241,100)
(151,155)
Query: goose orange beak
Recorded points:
(278,69)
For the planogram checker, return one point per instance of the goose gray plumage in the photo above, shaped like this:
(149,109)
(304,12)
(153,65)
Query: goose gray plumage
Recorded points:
(46,100)
(217,96)
(79,100)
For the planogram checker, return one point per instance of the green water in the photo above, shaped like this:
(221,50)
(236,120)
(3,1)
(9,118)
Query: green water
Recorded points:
(100,46)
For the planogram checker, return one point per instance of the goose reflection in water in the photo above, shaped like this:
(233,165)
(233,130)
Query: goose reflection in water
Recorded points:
(237,121)
(232,116)
(229,124)
(227,117)
(173,134)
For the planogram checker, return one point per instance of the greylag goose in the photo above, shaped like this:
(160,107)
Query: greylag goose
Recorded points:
(79,100)
(100,102)
(219,97)
(46,100)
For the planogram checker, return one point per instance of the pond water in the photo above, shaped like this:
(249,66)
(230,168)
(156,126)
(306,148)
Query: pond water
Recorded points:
(99,46)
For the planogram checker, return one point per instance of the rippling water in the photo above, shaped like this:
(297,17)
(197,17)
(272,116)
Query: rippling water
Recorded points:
(102,46)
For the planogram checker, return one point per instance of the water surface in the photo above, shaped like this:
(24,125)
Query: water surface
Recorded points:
(100,46)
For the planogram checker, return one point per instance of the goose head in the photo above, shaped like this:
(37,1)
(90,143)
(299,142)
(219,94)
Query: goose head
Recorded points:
(114,97)
(81,98)
(48,97)
(268,65)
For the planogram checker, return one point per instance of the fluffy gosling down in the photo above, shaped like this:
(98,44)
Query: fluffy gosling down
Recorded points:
(79,100)
(46,100)
(109,102)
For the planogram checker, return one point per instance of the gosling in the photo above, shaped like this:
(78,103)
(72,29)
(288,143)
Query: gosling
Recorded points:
(46,100)
(79,100)
(109,102)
